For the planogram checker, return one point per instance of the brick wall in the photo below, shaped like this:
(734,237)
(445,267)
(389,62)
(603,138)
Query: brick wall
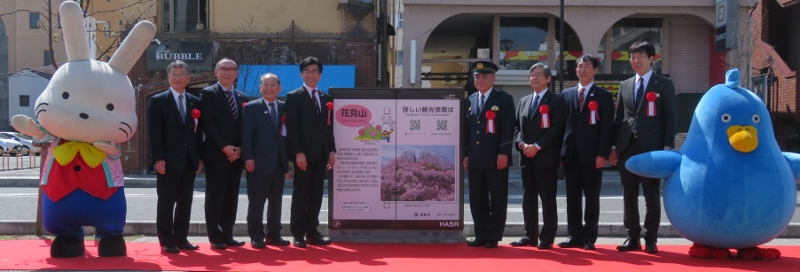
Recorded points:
(783,99)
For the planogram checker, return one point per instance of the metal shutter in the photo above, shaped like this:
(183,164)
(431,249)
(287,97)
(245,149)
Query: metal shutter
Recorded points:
(688,56)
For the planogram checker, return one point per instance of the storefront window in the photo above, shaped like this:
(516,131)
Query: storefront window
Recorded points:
(628,31)
(523,42)
(572,48)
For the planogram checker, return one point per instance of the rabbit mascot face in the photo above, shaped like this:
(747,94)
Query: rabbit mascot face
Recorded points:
(89,107)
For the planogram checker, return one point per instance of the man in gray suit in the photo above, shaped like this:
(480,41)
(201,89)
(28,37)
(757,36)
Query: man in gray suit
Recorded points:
(644,122)
(266,159)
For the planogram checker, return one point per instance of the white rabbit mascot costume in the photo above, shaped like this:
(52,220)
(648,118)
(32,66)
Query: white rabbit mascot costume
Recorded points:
(88,107)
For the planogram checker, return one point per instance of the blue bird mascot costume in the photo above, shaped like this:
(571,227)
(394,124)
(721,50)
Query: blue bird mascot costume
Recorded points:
(729,186)
(88,107)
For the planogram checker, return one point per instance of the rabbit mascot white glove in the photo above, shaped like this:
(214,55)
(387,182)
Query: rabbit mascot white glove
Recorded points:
(88,107)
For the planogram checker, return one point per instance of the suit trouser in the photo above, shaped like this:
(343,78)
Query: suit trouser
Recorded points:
(488,201)
(583,181)
(222,198)
(260,188)
(307,198)
(541,182)
(175,192)
(651,189)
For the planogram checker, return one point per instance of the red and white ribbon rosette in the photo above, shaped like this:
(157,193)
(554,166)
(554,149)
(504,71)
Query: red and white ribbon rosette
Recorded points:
(651,103)
(195,115)
(283,126)
(330,111)
(544,109)
(490,115)
(244,103)
(593,117)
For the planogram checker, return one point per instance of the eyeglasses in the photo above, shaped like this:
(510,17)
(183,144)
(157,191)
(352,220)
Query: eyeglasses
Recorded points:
(226,69)
(179,75)
(271,85)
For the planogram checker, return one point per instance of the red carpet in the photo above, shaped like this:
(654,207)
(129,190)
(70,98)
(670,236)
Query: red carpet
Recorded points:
(34,255)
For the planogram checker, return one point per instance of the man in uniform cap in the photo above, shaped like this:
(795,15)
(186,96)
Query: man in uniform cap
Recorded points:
(488,139)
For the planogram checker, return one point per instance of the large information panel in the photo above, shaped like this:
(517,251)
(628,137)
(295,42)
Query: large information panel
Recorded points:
(397,163)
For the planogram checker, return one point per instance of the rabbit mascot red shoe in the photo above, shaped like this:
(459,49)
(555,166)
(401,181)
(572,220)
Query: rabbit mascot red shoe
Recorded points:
(88,107)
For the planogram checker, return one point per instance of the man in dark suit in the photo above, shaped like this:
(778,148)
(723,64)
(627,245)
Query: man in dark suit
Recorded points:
(266,159)
(312,150)
(222,124)
(488,138)
(539,133)
(587,144)
(175,148)
(644,122)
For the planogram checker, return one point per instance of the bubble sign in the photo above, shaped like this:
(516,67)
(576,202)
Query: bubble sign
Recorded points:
(353,115)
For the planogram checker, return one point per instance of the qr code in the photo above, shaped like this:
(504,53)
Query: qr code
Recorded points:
(441,124)
(415,125)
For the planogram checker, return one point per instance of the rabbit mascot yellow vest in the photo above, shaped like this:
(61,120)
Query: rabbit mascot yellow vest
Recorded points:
(89,107)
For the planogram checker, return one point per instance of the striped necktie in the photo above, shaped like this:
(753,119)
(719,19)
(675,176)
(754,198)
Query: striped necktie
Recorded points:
(232,102)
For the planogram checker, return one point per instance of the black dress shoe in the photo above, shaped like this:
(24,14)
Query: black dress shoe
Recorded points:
(187,246)
(277,241)
(301,243)
(218,246)
(630,244)
(317,239)
(650,247)
(476,243)
(589,246)
(234,243)
(522,242)
(545,245)
(571,243)
(258,244)
(492,244)
(170,249)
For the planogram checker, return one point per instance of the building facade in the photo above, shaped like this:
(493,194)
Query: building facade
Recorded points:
(775,61)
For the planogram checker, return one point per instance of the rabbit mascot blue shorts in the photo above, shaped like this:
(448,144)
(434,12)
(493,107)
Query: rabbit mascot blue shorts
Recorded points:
(729,186)
(88,107)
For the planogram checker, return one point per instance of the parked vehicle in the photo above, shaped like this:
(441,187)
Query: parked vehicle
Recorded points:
(25,140)
(11,146)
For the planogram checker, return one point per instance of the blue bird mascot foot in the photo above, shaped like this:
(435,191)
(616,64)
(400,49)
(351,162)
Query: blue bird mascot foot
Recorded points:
(708,252)
(758,253)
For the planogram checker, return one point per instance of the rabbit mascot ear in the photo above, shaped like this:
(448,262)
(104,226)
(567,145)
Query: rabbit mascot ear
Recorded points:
(88,107)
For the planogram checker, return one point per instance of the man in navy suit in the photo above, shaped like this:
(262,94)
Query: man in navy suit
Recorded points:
(312,150)
(488,139)
(539,133)
(175,140)
(222,125)
(644,121)
(266,159)
(587,144)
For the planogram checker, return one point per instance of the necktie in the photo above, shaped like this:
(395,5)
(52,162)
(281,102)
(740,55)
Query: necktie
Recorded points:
(314,97)
(181,109)
(580,99)
(480,104)
(232,103)
(273,113)
(534,106)
(639,93)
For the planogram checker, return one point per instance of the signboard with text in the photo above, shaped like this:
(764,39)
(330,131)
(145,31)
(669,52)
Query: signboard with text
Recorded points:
(195,54)
(398,160)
